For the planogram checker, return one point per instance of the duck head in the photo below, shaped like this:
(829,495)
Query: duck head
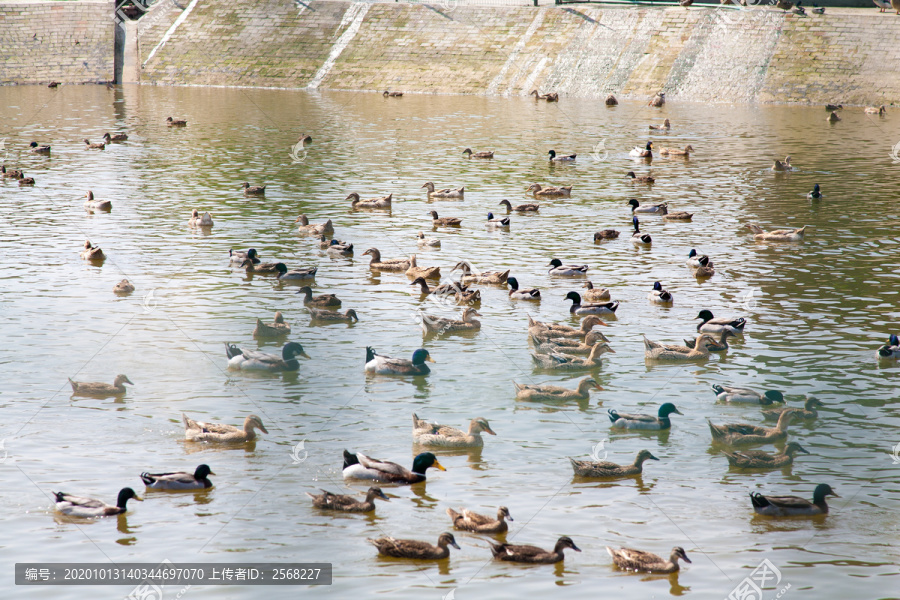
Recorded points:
(421,356)
(823,490)
(555,263)
(552,154)
(705,314)
(292,350)
(512,282)
(425,461)
(575,297)
(633,203)
(566,542)
(667,409)
(692,253)
(202,472)
(657,287)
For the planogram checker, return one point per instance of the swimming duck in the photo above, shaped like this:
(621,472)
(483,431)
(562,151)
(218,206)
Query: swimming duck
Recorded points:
(261,268)
(713,324)
(537,392)
(640,178)
(383,202)
(546,344)
(95,145)
(577,308)
(550,192)
(891,349)
(415,271)
(693,259)
(388,94)
(790,506)
(558,268)
(444,193)
(815,194)
(595,294)
(520,294)
(738,395)
(640,421)
(179,481)
(658,100)
(115,137)
(658,295)
(100,390)
(285,274)
(719,346)
(339,248)
(605,234)
(237,257)
(251,360)
(680,215)
(26,181)
(91,252)
(170,122)
(321,314)
(385,365)
(566,331)
(568,362)
(656,209)
(777,235)
(437,221)
(807,412)
(665,126)
(360,466)
(705,270)
(498,222)
(532,554)
(466,520)
(320,301)
(638,238)
(833,118)
(742,434)
(561,157)
(427,241)
(646,152)
(198,431)
(441,325)
(549,97)
(325,228)
(431,434)
(345,503)
(123,287)
(197,220)
(79,506)
(657,351)
(388,546)
(92,204)
(483,154)
(645,562)
(611,101)
(450,288)
(393,264)
(38,149)
(587,468)
(253,190)
(876,110)
(520,207)
(784,165)
(484,277)
(757,459)
(11,173)
(676,152)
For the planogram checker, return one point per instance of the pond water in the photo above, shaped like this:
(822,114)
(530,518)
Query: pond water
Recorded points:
(816,313)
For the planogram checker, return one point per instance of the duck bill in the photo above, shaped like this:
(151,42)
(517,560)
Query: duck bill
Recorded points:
(438,466)
(307,356)
(489,430)
(263,428)
(678,412)
(611,351)
(429,359)
(138,498)
(576,548)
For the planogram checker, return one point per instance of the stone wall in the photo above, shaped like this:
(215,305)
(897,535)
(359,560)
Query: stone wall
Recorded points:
(69,42)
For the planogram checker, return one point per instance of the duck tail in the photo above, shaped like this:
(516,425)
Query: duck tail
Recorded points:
(758,500)
(496,549)
(718,389)
(370,354)
(519,386)
(60,496)
(716,433)
(350,459)
(73,384)
(147,478)
(503,276)
(613,415)
(187,422)
(739,323)
(453,514)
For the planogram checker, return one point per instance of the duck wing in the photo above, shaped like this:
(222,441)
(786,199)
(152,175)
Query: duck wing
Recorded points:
(178,478)
(788,502)
(79,500)
(389,470)
(635,417)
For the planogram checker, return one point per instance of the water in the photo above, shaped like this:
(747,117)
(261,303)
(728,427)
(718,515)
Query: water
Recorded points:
(817,311)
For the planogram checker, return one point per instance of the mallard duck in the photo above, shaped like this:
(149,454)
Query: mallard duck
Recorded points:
(815,194)
(579,308)
(595,294)
(444,193)
(115,137)
(568,362)
(320,301)
(93,204)
(807,412)
(665,126)
(549,97)
(497,222)
(791,506)
(550,192)
(784,4)
(520,294)
(638,238)
(427,241)
(676,152)
(645,562)
(92,252)
(388,94)
(882,5)
(700,351)
(757,459)
(261,268)
(432,434)
(784,165)
(640,178)
(383,202)
(388,546)
(561,157)
(393,264)
(658,100)
(95,145)
(253,190)
(170,122)
(451,288)
(565,331)
(484,277)
(546,344)
(536,392)
(742,434)
(778,235)
(325,228)
(415,271)
(237,257)
(705,270)
(799,10)
(100,390)
(558,268)
(693,259)
(466,520)
(719,346)
(251,360)
(660,296)
(79,506)
(467,322)
(304,139)
(520,207)
(198,220)
(437,221)
(39,149)
(605,234)
(640,421)
(11,173)
(344,503)
(713,324)
(587,468)
(123,287)
(645,152)
(385,365)
(181,480)
(26,181)
(321,314)
(483,154)
(656,209)
(891,349)
(339,248)
(833,118)
(738,395)
(284,273)
(611,101)
(360,466)
(878,110)
(270,330)
(532,554)
(198,431)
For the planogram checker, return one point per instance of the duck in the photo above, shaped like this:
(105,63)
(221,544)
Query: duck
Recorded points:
(640,178)
(558,268)
(549,97)
(630,559)
(339,248)
(437,221)
(833,107)
(595,294)
(605,234)
(430,434)
(252,360)
(565,331)
(693,259)
(497,222)
(382,202)
(123,287)
(640,421)
(170,122)
(114,137)
(656,209)
(550,192)
(742,434)
(521,294)
(360,466)
(93,204)
(815,194)
(833,118)
(237,257)
(538,392)
(393,264)
(777,235)
(882,5)
(520,207)
(79,506)
(686,152)
(700,351)
(467,322)
(546,344)
(658,100)
(807,412)
(455,289)
(415,271)
(466,520)
(705,270)
(325,228)
(791,506)
(181,480)
(665,126)
(95,145)
(198,431)
(577,308)
(712,324)
(483,154)
(261,268)
(39,149)
(877,110)
(253,190)
(444,193)
(532,554)
(388,94)
(92,252)
(561,158)
(26,181)
(484,277)
(738,395)
(891,349)
(11,173)
(345,503)
(719,346)
(611,101)
(321,314)
(287,275)
(587,468)
(645,152)
(638,238)
(757,459)
(415,549)
(658,295)
(100,390)
(320,301)
(385,365)
(568,362)
(197,220)
(784,165)
(427,241)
